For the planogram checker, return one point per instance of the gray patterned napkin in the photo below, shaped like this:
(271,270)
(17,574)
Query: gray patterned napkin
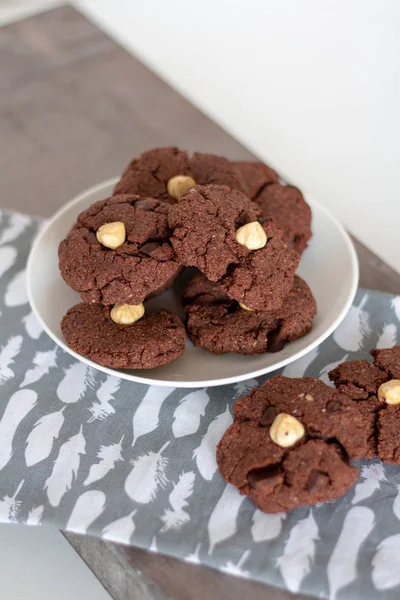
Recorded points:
(136,464)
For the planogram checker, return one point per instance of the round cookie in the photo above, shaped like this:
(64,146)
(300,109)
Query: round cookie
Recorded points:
(142,265)
(320,430)
(256,176)
(219,324)
(206,224)
(153,341)
(149,174)
(286,205)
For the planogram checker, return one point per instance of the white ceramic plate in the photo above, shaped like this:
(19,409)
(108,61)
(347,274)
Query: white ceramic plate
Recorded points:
(329,266)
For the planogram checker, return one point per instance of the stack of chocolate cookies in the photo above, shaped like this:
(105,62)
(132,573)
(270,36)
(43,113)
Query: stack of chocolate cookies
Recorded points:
(241,229)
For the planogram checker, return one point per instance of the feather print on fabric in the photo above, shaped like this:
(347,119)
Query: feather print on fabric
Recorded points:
(388,337)
(153,546)
(145,419)
(175,518)
(19,405)
(16,293)
(385,564)
(32,326)
(148,474)
(101,408)
(77,378)
(8,254)
(43,361)
(7,356)
(108,457)
(87,509)
(223,519)
(194,557)
(35,515)
(396,306)
(244,387)
(342,565)
(10,506)
(205,453)
(299,553)
(120,530)
(236,568)
(396,503)
(372,475)
(65,468)
(266,527)
(187,415)
(41,438)
(354,329)
(17,224)
(323,375)
(300,366)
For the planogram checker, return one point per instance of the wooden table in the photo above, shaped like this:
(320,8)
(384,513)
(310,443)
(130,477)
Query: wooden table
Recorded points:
(73,108)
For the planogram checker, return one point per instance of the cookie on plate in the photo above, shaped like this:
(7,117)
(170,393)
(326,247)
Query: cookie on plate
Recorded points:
(119,251)
(291,442)
(215,229)
(166,173)
(376,392)
(256,176)
(152,341)
(287,206)
(219,324)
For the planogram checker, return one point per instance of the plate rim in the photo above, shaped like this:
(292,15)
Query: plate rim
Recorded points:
(190,384)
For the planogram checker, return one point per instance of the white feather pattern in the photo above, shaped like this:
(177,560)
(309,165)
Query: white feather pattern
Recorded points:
(73,386)
(108,457)
(396,306)
(16,293)
(236,568)
(300,366)
(244,387)
(299,553)
(120,530)
(19,405)
(10,506)
(65,468)
(188,414)
(7,356)
(43,361)
(266,527)
(205,454)
(342,565)
(223,519)
(323,375)
(388,337)
(8,254)
(146,415)
(354,328)
(101,408)
(194,557)
(372,475)
(175,518)
(396,503)
(32,326)
(41,438)
(87,509)
(385,564)
(16,226)
(35,515)
(147,476)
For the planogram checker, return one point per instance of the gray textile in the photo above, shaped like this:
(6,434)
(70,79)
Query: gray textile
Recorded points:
(91,453)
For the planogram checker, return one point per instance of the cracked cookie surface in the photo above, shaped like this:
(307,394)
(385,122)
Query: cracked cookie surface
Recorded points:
(256,176)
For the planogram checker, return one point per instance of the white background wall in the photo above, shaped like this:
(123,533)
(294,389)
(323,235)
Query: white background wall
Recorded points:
(312,86)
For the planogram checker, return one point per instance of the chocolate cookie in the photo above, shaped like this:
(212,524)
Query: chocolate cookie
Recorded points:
(215,229)
(219,324)
(156,171)
(154,340)
(286,205)
(142,263)
(291,442)
(376,391)
(256,176)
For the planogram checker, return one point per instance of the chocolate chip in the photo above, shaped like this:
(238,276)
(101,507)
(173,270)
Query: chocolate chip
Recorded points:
(266,475)
(149,247)
(91,238)
(268,416)
(142,205)
(333,406)
(275,342)
(242,219)
(316,480)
